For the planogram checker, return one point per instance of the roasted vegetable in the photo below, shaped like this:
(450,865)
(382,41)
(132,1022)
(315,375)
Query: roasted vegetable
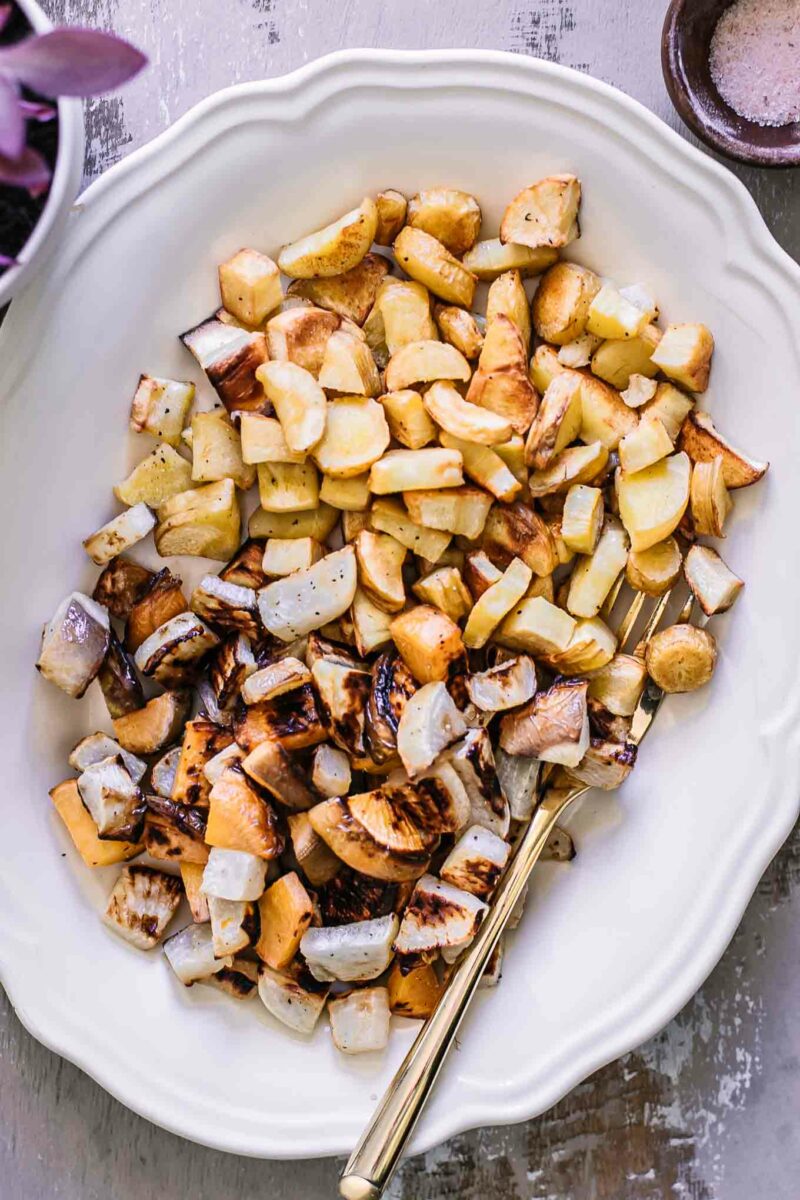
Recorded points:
(605,765)
(380,560)
(174,652)
(240,818)
(120,534)
(507,685)
(703,443)
(430,644)
(684,354)
(501,382)
(445,589)
(334,249)
(709,498)
(469,422)
(159,407)
(498,599)
(561,303)
(316,861)
(681,658)
(94,851)
(74,644)
(389,846)
(233,875)
(360,1020)
(438,917)
(121,585)
(427,260)
(142,904)
(250,286)
(408,421)
(175,832)
(289,1001)
(713,583)
(272,768)
(517,531)
(544,214)
(487,260)
(234,925)
(473,761)
(203,522)
(460,329)
(162,600)
(350,953)
(230,357)
(553,727)
(652,502)
(619,684)
(351,294)
(476,861)
(308,599)
(430,721)
(154,726)
(226,606)
(293,719)
(217,452)
(391,688)
(118,680)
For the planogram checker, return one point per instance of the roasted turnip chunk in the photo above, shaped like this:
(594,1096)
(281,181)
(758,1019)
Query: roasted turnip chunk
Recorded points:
(233,875)
(343,693)
(507,685)
(216,765)
(226,606)
(121,687)
(554,727)
(230,357)
(229,668)
(114,801)
(162,776)
(430,722)
(473,761)
(310,598)
(120,534)
(288,1001)
(350,953)
(330,771)
(271,767)
(439,917)
(190,953)
(518,777)
(159,407)
(275,679)
(360,1021)
(475,862)
(74,644)
(232,925)
(713,583)
(605,764)
(175,647)
(97,746)
(239,980)
(142,904)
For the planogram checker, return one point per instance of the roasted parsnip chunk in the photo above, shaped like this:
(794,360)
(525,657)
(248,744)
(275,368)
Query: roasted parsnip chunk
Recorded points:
(202,741)
(619,684)
(250,286)
(204,522)
(405,310)
(288,487)
(713,583)
(306,600)
(491,258)
(582,518)
(425,362)
(120,534)
(617,360)
(356,435)
(429,642)
(578,352)
(97,746)
(507,295)
(119,683)
(348,366)
(495,603)
(484,466)
(429,723)
(461,511)
(226,606)
(142,904)
(427,260)
(394,855)
(545,366)
(648,443)
(278,677)
(709,498)
(655,570)
(271,767)
(159,407)
(652,502)
(517,531)
(553,727)
(464,420)
(681,658)
(283,556)
(561,303)
(83,831)
(605,417)
(501,382)
(684,354)
(371,625)
(162,600)
(392,207)
(380,559)
(300,335)
(230,357)
(162,474)
(389,516)
(558,420)
(506,685)
(640,389)
(544,214)
(591,646)
(444,588)
(611,315)
(703,443)
(191,955)
(154,726)
(576,464)
(408,421)
(334,249)
(217,452)
(453,217)
(348,495)
(299,403)
(292,1003)
(460,329)
(315,523)
(537,626)
(595,574)
(342,689)
(412,470)
(351,294)
(74,644)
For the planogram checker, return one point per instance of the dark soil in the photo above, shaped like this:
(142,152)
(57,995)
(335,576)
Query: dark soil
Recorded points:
(20,212)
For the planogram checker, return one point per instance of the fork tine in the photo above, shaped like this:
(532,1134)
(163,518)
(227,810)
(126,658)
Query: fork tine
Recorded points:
(611,598)
(655,617)
(629,620)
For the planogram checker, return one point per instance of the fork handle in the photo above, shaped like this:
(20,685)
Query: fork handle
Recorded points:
(375,1158)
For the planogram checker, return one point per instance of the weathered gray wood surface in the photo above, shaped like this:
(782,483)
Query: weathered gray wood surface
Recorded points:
(705,1111)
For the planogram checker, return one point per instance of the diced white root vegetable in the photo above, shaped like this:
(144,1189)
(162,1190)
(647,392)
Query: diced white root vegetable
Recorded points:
(228,605)
(646,444)
(438,917)
(445,589)
(142,904)
(408,421)
(217,451)
(576,464)
(350,953)
(460,328)
(507,685)
(578,353)
(298,400)
(190,953)
(642,297)
(162,776)
(356,435)
(408,470)
(518,777)
(595,575)
(461,511)
(713,583)
(654,571)
(380,560)
(389,516)
(452,216)
(179,643)
(228,920)
(97,746)
(476,862)
(288,1001)
(684,354)
(348,366)
(639,391)
(495,603)
(360,1022)
(306,600)
(162,474)
(263,440)
(112,799)
(491,258)
(427,260)
(537,626)
(204,521)
(612,316)
(250,286)
(485,466)
(288,487)
(336,248)
(582,518)
(240,980)
(330,771)
(220,762)
(371,625)
(709,498)
(444,403)
(554,727)
(544,367)
(229,356)
(472,759)
(544,214)
(119,534)
(283,556)
(619,684)
(591,646)
(558,420)
(350,495)
(430,722)
(159,407)
(233,875)
(653,501)
(605,765)
(425,362)
(274,680)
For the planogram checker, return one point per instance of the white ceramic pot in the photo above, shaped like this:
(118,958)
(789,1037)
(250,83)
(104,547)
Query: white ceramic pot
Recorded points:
(63,189)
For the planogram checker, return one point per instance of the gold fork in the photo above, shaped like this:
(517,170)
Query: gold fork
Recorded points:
(375,1158)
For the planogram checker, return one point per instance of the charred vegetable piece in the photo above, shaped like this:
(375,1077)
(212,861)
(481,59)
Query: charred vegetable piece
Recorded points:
(113,800)
(174,652)
(289,1001)
(122,584)
(240,980)
(142,904)
(476,862)
(360,1021)
(230,356)
(175,832)
(518,777)
(391,688)
(439,916)
(343,693)
(83,831)
(330,771)
(554,727)
(245,569)
(202,741)
(316,861)
(154,726)
(162,775)
(473,761)
(97,746)
(229,668)
(120,533)
(190,953)
(350,953)
(308,599)
(227,606)
(350,897)
(119,683)
(74,644)
(234,925)
(507,685)
(240,818)
(162,601)
(605,765)
(286,913)
(192,877)
(371,852)
(292,719)
(429,723)
(272,768)
(413,993)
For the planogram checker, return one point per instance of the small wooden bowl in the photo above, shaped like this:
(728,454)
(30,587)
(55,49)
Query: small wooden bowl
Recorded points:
(685,44)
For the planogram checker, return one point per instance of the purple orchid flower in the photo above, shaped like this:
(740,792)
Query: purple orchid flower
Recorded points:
(64,62)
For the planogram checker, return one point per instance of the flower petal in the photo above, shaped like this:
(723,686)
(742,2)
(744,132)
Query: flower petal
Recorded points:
(72,62)
(30,171)
(12,122)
